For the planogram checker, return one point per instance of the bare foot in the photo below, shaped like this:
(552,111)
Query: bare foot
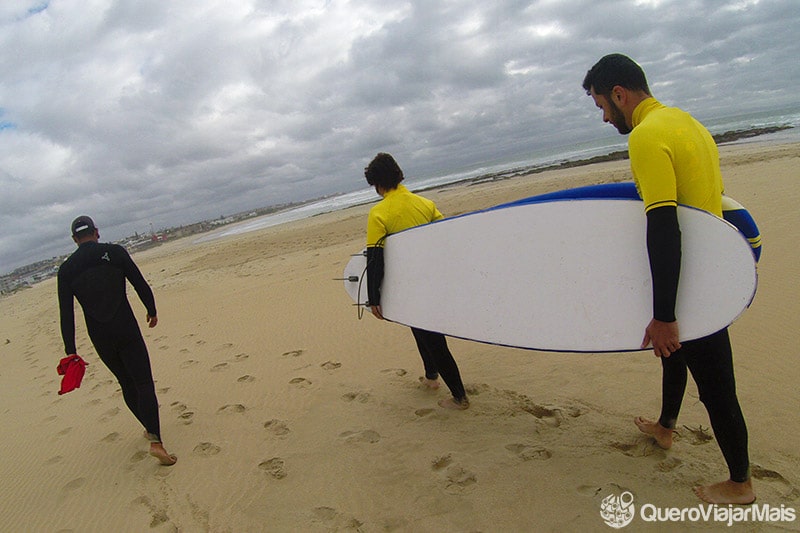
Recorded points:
(451,403)
(727,492)
(662,435)
(429,383)
(157,450)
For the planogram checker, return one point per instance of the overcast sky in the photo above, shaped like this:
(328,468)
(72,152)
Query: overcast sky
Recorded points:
(167,112)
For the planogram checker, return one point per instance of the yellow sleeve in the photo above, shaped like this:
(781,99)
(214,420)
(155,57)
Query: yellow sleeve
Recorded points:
(376,229)
(653,170)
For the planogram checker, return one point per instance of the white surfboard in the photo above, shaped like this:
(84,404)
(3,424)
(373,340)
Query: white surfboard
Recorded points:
(563,275)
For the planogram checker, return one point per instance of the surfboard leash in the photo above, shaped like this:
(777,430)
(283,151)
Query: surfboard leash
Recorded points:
(360,279)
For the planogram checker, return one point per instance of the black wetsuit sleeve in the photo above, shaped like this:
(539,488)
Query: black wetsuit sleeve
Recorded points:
(374,274)
(140,285)
(66,307)
(664,251)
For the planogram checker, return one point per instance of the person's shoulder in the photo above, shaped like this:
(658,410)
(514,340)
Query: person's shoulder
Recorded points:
(420,197)
(65,266)
(112,247)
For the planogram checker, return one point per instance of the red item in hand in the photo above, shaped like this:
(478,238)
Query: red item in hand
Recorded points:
(72,368)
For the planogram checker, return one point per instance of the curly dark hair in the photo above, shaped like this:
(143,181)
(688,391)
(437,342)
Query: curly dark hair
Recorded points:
(384,172)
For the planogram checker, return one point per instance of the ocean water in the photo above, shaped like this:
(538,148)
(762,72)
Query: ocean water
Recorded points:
(542,158)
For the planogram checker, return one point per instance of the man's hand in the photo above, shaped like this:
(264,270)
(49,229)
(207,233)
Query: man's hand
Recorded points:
(663,336)
(152,321)
(376,311)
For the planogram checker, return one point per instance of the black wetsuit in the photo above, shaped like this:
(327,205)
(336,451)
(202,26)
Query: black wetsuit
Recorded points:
(95,274)
(709,359)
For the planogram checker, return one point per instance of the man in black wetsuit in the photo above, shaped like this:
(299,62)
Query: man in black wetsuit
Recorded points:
(95,274)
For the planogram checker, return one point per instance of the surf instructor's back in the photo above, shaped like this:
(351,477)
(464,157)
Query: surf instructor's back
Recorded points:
(95,274)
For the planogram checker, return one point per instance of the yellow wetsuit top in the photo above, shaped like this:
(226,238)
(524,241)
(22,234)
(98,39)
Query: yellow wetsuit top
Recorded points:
(674,159)
(400,209)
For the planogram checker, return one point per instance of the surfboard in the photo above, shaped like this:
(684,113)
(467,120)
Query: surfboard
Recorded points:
(557,274)
(732,211)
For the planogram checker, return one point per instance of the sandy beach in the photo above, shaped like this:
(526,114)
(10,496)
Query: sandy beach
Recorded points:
(288,413)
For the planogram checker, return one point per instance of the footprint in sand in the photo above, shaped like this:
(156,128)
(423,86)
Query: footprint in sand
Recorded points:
(293,353)
(551,416)
(186,417)
(764,474)
(178,406)
(300,382)
(246,379)
(102,384)
(276,427)
(360,397)
(367,435)
(219,367)
(189,363)
(232,408)
(669,464)
(273,467)
(527,452)
(108,414)
(459,479)
(423,412)
(64,431)
(206,449)
(441,462)
(75,484)
(635,449)
(699,435)
(336,521)
(240,357)
(759,472)
(111,437)
(331,365)
(395,371)
(158,516)
(54,460)
(139,456)
(475,389)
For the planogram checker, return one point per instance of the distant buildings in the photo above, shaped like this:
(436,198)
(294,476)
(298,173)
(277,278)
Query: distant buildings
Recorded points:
(29,274)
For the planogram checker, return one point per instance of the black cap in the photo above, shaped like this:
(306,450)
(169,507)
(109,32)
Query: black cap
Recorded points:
(82,224)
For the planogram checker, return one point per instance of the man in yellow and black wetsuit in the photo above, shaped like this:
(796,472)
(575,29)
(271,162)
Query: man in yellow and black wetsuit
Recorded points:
(95,274)
(401,209)
(674,161)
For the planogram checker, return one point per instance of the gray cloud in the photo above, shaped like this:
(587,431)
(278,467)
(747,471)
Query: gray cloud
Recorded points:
(163,113)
